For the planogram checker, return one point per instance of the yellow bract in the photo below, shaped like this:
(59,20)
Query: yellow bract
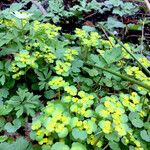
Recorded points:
(62,68)
(50,30)
(144,61)
(106,127)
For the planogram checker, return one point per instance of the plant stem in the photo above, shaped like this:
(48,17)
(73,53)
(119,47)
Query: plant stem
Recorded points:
(120,43)
(100,136)
(107,36)
(132,80)
(105,147)
(59,94)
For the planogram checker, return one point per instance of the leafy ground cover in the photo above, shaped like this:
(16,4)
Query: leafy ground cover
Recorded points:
(84,87)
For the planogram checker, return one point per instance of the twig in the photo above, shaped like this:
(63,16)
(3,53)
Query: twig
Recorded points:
(107,36)
(39,6)
(147,4)
(105,147)
(90,15)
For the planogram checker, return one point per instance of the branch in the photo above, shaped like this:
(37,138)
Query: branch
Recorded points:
(147,4)
(39,6)
(125,77)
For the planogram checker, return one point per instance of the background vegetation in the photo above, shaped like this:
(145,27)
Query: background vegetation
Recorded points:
(74,75)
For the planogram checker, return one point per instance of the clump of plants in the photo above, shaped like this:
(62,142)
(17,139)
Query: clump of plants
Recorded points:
(81,90)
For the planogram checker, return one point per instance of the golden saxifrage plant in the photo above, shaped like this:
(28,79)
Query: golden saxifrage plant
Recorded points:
(93,93)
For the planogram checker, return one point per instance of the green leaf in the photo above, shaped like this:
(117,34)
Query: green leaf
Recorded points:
(79,134)
(44,147)
(118,11)
(147,125)
(1,65)
(98,60)
(5,146)
(19,144)
(108,82)
(134,27)
(49,94)
(24,102)
(114,145)
(21,65)
(145,135)
(112,55)
(76,65)
(20,111)
(135,120)
(6,39)
(124,118)
(2,122)
(9,50)
(11,128)
(114,23)
(88,28)
(78,146)
(137,123)
(63,133)
(92,72)
(112,137)
(115,2)
(60,146)
(15,6)
(2,79)
(5,110)
(3,138)
(4,93)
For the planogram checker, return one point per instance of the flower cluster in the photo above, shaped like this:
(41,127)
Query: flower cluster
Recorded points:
(144,61)
(48,54)
(8,23)
(125,53)
(69,54)
(62,68)
(57,82)
(80,102)
(62,120)
(42,51)
(92,140)
(50,30)
(73,115)
(131,139)
(114,110)
(107,44)
(56,120)
(113,113)
(22,60)
(89,40)
(53,120)
(131,101)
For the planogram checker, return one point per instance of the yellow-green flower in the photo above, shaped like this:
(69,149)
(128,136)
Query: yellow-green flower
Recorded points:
(72,90)
(144,61)
(57,82)
(62,68)
(105,126)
